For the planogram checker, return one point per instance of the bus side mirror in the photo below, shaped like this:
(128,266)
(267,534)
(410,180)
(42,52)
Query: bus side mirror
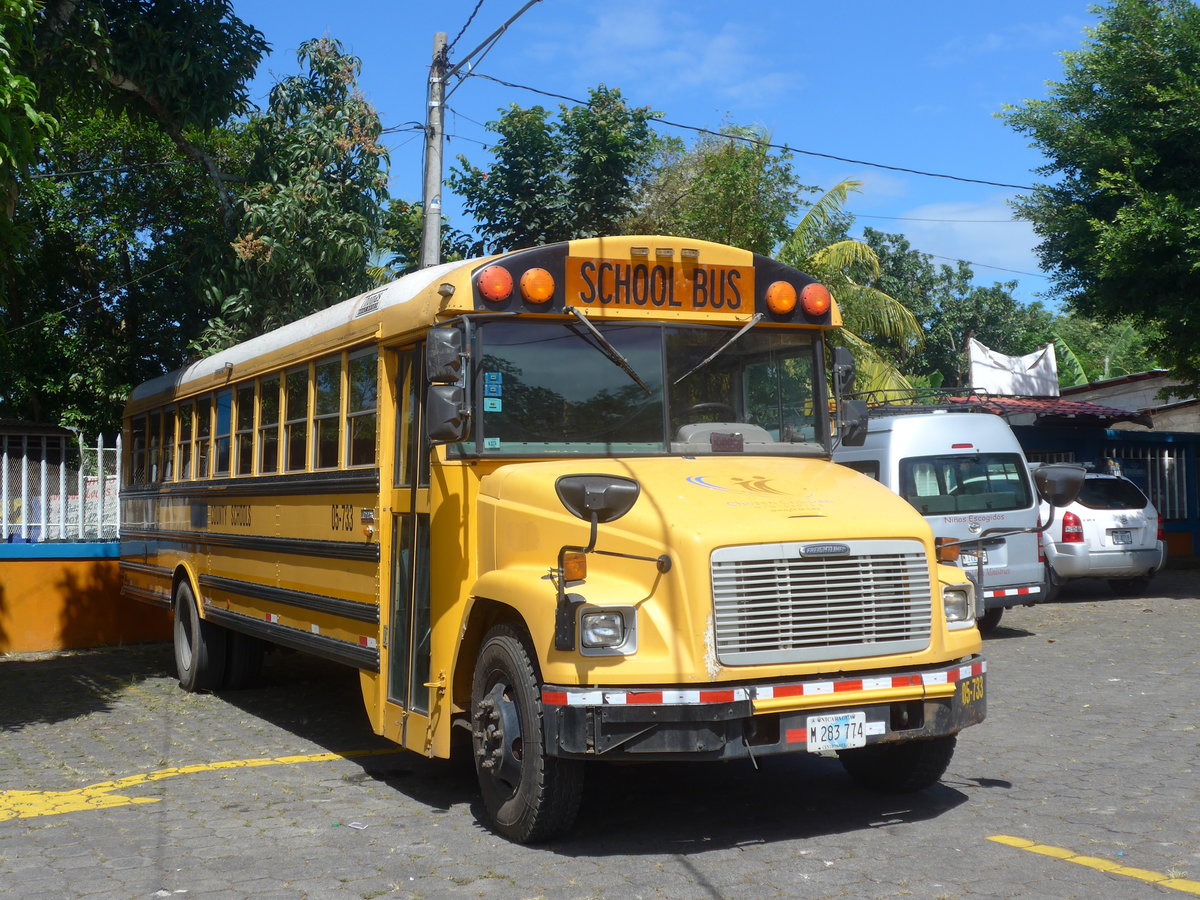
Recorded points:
(1058,483)
(447,415)
(444,355)
(854,422)
(843,370)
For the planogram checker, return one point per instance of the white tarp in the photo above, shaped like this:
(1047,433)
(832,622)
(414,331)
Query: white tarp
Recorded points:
(1032,375)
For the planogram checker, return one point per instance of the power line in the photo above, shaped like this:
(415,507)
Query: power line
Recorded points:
(461,31)
(759,143)
(127,168)
(955,221)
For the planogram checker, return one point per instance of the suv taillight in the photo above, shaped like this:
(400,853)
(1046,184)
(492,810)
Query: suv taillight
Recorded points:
(1072,529)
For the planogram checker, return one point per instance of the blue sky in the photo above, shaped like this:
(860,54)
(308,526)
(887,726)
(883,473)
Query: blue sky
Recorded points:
(911,85)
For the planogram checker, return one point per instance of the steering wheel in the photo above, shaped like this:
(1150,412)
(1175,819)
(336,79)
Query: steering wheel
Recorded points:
(714,408)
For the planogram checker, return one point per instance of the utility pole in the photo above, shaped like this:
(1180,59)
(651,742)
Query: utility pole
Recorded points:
(439,75)
(431,228)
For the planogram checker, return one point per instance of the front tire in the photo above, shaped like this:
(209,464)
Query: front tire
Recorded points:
(529,795)
(200,647)
(899,768)
(990,620)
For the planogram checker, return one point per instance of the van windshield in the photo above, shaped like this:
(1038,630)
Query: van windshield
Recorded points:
(971,483)
(553,388)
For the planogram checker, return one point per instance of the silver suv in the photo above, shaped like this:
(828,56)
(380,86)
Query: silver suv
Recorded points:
(1111,531)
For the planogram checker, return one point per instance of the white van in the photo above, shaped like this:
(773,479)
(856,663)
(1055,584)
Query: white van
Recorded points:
(965,472)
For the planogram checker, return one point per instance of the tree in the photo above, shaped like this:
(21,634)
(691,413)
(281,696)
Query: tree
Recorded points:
(950,307)
(310,212)
(107,215)
(1120,225)
(554,181)
(818,246)
(1102,349)
(402,237)
(729,189)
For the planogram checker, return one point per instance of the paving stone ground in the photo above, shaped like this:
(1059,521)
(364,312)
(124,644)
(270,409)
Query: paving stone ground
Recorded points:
(1091,745)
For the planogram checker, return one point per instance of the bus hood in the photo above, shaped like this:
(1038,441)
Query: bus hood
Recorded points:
(704,502)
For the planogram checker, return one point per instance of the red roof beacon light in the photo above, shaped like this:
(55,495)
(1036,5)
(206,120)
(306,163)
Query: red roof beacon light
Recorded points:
(815,299)
(495,284)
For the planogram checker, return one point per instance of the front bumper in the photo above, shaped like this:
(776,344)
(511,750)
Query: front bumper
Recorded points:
(748,720)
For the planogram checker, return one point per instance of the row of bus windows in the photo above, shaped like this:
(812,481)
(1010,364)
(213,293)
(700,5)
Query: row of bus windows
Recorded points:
(317,416)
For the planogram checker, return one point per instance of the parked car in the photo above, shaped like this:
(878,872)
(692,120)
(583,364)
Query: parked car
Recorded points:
(1111,531)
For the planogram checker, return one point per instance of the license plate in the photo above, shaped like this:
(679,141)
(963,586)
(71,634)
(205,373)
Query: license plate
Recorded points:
(1122,537)
(839,732)
(970,560)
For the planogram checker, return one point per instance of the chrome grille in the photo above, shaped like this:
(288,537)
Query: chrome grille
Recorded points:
(771,605)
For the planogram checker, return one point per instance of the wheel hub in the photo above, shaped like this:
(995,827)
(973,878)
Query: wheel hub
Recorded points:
(498,742)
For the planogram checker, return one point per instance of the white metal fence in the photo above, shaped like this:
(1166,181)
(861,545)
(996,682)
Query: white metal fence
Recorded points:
(56,489)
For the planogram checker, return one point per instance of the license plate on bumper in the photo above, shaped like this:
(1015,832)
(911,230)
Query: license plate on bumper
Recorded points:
(1122,537)
(837,732)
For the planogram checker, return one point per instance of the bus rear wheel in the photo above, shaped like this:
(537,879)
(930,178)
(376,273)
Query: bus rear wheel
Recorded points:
(529,796)
(200,646)
(899,768)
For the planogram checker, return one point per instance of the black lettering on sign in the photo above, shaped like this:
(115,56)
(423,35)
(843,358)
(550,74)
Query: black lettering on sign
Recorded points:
(341,517)
(229,515)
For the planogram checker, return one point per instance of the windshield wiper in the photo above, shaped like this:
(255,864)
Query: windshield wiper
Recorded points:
(609,350)
(754,320)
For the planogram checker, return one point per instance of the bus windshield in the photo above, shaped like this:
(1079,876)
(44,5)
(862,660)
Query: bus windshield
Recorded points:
(553,388)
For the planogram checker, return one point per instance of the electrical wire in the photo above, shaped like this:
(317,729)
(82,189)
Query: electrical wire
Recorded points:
(768,144)
(461,31)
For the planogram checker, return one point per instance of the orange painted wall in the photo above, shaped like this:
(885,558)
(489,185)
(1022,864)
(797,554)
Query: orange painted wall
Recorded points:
(71,604)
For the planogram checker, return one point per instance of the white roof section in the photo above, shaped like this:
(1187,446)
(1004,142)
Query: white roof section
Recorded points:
(395,293)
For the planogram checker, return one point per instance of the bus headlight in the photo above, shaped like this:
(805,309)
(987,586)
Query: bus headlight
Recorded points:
(607,632)
(958,604)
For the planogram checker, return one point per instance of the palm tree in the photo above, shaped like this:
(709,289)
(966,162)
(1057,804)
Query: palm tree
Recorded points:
(818,247)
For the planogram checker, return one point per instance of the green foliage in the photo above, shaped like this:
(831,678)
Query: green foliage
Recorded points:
(871,317)
(1100,350)
(555,181)
(311,210)
(1120,223)
(949,308)
(730,189)
(22,125)
(402,237)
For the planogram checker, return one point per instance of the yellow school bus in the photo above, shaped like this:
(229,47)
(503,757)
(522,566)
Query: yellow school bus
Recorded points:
(576,500)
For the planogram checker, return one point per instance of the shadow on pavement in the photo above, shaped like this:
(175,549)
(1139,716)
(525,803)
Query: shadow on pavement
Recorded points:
(55,687)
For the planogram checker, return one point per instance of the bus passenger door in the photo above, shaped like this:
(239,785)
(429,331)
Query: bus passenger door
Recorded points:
(409,623)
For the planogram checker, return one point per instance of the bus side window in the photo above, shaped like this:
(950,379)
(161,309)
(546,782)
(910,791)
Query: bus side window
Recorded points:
(268,426)
(361,409)
(295,422)
(327,412)
(244,431)
(203,434)
(168,468)
(153,466)
(407,389)
(185,441)
(224,410)
(137,468)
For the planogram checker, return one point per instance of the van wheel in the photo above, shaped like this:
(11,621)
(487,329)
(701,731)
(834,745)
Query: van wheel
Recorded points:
(200,646)
(529,796)
(1129,587)
(990,619)
(899,768)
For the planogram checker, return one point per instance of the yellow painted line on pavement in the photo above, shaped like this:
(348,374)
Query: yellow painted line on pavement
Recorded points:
(1104,865)
(31,804)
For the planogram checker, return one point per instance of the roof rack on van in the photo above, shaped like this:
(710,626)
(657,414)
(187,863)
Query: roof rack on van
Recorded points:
(907,401)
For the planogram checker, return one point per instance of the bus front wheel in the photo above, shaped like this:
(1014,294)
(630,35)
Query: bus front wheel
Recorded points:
(529,795)
(899,768)
(199,646)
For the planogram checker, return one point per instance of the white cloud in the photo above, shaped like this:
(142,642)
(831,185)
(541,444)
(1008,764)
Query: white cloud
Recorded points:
(1066,31)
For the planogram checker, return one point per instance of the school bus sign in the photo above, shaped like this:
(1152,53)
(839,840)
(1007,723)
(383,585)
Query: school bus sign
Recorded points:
(662,285)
